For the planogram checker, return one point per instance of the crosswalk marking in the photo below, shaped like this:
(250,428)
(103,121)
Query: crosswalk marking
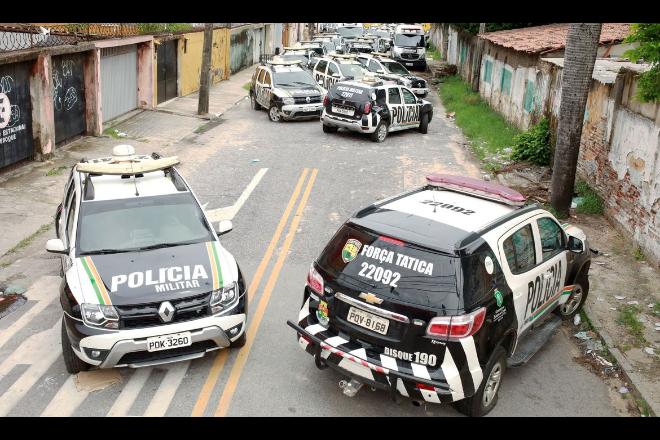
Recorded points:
(66,401)
(160,402)
(130,392)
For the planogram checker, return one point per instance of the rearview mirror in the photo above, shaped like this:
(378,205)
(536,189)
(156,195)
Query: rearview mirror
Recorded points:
(224,226)
(56,246)
(575,245)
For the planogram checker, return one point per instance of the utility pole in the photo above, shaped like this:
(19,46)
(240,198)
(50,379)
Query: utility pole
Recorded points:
(476,60)
(205,74)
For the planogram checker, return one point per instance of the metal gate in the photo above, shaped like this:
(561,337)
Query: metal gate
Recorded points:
(166,71)
(118,80)
(68,96)
(16,142)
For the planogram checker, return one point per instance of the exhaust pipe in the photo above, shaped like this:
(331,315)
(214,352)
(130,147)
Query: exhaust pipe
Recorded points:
(351,388)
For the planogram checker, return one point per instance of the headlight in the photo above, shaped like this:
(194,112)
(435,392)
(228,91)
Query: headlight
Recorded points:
(224,299)
(96,315)
(288,101)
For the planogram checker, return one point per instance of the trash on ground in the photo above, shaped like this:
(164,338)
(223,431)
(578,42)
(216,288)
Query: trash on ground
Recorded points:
(619,297)
(650,306)
(594,345)
(600,298)
(577,320)
(612,308)
(633,303)
(15,289)
(600,263)
(255,160)
(649,350)
(624,390)
(576,201)
(582,335)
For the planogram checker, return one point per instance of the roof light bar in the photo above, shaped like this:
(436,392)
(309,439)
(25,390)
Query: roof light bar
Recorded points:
(468,185)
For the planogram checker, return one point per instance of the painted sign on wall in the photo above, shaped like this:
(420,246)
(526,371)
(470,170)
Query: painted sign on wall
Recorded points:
(16,141)
(68,96)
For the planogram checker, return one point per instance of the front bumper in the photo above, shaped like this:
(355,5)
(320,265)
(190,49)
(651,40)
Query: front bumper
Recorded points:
(299,111)
(347,123)
(128,348)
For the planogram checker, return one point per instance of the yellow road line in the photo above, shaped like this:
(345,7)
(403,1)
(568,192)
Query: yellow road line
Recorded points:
(221,358)
(241,359)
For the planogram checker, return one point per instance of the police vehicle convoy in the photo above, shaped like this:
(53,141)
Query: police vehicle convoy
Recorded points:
(385,67)
(286,90)
(409,46)
(375,107)
(145,278)
(337,67)
(349,32)
(433,293)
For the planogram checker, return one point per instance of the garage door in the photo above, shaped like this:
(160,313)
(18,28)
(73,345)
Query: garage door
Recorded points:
(166,71)
(16,142)
(118,81)
(68,96)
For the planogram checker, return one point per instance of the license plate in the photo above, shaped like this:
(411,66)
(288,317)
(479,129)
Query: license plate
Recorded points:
(167,342)
(343,111)
(409,64)
(368,320)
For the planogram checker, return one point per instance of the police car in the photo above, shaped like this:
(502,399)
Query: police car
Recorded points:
(337,67)
(385,67)
(145,278)
(375,107)
(286,90)
(360,45)
(433,293)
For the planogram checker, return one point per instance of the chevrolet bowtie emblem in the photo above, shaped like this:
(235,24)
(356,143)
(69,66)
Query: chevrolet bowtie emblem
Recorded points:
(370,298)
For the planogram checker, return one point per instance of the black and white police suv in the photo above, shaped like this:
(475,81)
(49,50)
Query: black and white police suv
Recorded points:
(384,67)
(337,67)
(145,278)
(431,294)
(286,90)
(375,107)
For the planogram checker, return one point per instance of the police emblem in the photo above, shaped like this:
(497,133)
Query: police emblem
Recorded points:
(350,251)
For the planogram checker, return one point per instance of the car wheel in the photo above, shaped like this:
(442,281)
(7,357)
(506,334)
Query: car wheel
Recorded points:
(72,362)
(329,129)
(253,102)
(424,124)
(576,298)
(485,399)
(240,341)
(380,134)
(274,114)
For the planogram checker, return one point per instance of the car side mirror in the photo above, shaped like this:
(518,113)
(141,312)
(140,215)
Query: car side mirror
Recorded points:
(224,226)
(420,101)
(56,246)
(575,245)
(266,86)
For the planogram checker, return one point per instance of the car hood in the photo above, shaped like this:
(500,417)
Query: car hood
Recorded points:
(155,275)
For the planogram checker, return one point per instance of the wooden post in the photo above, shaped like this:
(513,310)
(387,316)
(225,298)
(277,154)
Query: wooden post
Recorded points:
(205,74)
(476,59)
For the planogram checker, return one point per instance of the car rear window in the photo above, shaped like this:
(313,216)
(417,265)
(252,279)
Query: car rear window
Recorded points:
(350,92)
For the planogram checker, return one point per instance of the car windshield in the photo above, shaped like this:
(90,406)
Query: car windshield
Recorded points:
(292,79)
(350,31)
(409,40)
(395,68)
(354,70)
(143,222)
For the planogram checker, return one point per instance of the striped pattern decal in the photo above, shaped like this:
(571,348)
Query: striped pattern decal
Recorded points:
(96,281)
(214,259)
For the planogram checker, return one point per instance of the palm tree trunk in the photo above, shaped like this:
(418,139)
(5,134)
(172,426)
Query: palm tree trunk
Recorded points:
(579,60)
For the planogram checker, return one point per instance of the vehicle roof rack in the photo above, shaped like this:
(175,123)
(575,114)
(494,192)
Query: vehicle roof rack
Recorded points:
(293,48)
(381,54)
(281,62)
(475,187)
(128,167)
(342,55)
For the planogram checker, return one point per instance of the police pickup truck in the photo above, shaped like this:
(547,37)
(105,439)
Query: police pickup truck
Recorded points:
(384,67)
(375,107)
(145,278)
(433,293)
(286,90)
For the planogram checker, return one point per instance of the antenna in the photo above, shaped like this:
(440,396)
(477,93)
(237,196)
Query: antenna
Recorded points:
(134,180)
(435,204)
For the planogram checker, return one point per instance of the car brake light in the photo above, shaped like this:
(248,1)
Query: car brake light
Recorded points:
(367,108)
(325,100)
(315,280)
(423,386)
(453,328)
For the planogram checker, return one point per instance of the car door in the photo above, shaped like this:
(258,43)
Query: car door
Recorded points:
(319,72)
(334,74)
(267,87)
(68,233)
(395,106)
(411,117)
(258,86)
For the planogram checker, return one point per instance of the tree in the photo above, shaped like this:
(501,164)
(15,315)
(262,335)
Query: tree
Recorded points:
(648,37)
(579,59)
(476,59)
(205,73)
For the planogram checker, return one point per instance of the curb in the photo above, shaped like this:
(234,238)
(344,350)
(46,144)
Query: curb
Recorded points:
(628,371)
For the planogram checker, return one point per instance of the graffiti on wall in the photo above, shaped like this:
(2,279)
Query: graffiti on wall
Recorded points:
(64,100)
(68,96)
(16,142)
(10,114)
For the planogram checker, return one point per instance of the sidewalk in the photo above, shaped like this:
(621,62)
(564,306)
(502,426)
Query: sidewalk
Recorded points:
(30,194)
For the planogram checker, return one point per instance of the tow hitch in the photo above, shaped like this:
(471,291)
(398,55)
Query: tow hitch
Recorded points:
(351,388)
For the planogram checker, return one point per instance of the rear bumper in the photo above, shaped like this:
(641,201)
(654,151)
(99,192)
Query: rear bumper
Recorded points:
(350,124)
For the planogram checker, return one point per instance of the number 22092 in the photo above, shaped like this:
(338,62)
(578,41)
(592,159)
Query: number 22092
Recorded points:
(379,274)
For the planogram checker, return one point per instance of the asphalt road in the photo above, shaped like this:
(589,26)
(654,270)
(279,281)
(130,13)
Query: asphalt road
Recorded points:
(313,182)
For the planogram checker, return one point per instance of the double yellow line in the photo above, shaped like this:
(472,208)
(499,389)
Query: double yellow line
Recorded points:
(241,359)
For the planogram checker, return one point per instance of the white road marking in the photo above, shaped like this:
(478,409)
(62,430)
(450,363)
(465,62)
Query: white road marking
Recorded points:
(170,383)
(66,401)
(229,212)
(43,291)
(129,393)
(40,351)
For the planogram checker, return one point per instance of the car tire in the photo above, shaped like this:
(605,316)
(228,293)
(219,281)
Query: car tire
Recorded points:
(238,343)
(72,362)
(273,114)
(424,124)
(380,133)
(478,405)
(329,129)
(573,305)
(253,103)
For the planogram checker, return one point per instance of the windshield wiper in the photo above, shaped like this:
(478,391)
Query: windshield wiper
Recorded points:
(106,251)
(165,245)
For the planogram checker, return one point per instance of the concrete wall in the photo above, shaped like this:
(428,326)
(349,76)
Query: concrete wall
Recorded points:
(190,59)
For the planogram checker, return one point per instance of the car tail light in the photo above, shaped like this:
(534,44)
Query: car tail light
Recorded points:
(456,327)
(367,108)
(325,100)
(423,386)
(315,281)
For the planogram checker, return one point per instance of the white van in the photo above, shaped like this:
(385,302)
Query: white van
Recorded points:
(409,46)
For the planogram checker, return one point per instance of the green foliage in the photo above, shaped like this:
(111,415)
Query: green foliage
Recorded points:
(56,171)
(246,86)
(648,37)
(154,28)
(638,254)
(628,317)
(487,130)
(533,145)
(433,52)
(473,28)
(591,203)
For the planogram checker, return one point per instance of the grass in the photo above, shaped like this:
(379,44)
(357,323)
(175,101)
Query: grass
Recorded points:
(638,254)
(487,130)
(56,171)
(591,203)
(628,317)
(433,52)
(246,86)
(26,241)
(656,308)
(113,133)
(644,407)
